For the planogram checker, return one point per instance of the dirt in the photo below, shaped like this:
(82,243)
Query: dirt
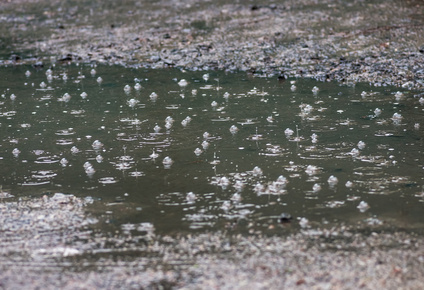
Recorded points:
(54,242)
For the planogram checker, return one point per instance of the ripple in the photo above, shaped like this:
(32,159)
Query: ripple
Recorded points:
(107,180)
(47,159)
(64,142)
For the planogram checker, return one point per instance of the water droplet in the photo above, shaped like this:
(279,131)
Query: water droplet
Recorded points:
(137,87)
(316,187)
(332,181)
(288,132)
(167,162)
(191,197)
(127,89)
(233,129)
(182,83)
(63,162)
(363,206)
(97,145)
(198,151)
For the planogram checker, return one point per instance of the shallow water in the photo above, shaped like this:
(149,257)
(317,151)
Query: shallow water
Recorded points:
(134,191)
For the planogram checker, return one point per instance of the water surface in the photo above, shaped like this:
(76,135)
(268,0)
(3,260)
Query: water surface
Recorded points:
(109,145)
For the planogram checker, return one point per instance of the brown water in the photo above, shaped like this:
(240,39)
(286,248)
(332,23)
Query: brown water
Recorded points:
(132,190)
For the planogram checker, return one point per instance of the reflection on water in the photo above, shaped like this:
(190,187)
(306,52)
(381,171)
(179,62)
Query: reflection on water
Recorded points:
(165,150)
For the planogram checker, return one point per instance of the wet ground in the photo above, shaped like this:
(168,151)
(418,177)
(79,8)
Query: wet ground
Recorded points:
(73,220)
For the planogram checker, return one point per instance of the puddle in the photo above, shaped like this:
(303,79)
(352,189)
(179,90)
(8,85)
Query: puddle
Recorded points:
(217,152)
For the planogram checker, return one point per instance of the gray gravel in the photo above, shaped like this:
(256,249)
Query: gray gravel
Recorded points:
(374,41)
(55,243)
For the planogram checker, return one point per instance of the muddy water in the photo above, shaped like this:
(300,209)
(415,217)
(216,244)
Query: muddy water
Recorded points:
(68,131)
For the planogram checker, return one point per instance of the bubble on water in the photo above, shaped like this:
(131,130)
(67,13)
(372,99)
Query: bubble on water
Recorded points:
(305,109)
(132,103)
(90,171)
(361,145)
(27,73)
(153,97)
(363,206)
(257,171)
(156,128)
(206,77)
(99,80)
(289,132)
(293,88)
(191,197)
(397,118)
(193,92)
(311,170)
(75,150)
(169,119)
(223,182)
(349,184)
(168,125)
(87,164)
(182,83)
(315,89)
(65,77)
(332,181)
(354,152)
(214,104)
(205,144)
(127,89)
(64,162)
(93,72)
(316,187)
(137,87)
(43,85)
(12,97)
(226,95)
(206,135)
(65,98)
(234,129)
(377,112)
(239,185)
(99,158)
(16,152)
(417,126)
(281,182)
(97,145)
(186,121)
(198,151)
(421,100)
(83,95)
(167,162)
